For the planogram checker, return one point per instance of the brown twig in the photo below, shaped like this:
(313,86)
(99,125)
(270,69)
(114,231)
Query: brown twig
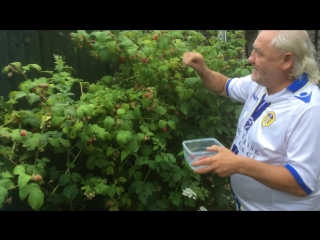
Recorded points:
(54,202)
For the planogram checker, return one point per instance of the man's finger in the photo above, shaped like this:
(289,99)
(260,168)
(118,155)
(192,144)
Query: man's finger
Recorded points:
(214,148)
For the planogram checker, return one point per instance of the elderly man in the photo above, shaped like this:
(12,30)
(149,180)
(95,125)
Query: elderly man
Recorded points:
(274,161)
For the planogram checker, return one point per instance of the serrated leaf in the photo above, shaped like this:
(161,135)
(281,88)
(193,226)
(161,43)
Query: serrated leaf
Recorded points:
(76,177)
(63,179)
(152,164)
(64,142)
(24,192)
(6,183)
(162,123)
(71,191)
(137,112)
(124,155)
(108,123)
(123,137)
(32,97)
(3,195)
(172,124)
(54,142)
(6,175)
(175,197)
(190,82)
(161,110)
(195,104)
(146,150)
(23,180)
(36,197)
(56,121)
(202,122)
(121,111)
(184,108)
(110,170)
(163,43)
(153,127)
(177,176)
(122,179)
(35,66)
(20,95)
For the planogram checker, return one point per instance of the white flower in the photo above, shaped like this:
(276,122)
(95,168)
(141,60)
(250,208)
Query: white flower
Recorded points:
(202,209)
(189,193)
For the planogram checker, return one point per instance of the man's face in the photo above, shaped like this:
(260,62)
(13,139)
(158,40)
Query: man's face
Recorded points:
(265,60)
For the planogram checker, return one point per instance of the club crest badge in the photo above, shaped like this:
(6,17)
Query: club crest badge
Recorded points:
(268,119)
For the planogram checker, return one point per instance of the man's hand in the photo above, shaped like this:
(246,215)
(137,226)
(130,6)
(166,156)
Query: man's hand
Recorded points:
(224,163)
(195,61)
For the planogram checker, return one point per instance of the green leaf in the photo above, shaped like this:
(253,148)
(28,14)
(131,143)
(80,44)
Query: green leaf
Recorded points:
(124,154)
(162,123)
(123,137)
(108,123)
(177,176)
(6,174)
(63,179)
(54,142)
(152,164)
(153,127)
(32,97)
(172,124)
(161,110)
(184,108)
(137,112)
(163,43)
(6,183)
(64,142)
(36,197)
(175,197)
(161,204)
(24,192)
(195,104)
(35,66)
(71,191)
(203,122)
(76,177)
(110,170)
(56,121)
(146,150)
(121,111)
(91,163)
(245,72)
(189,82)
(23,180)
(16,64)
(3,195)
(20,95)
(122,179)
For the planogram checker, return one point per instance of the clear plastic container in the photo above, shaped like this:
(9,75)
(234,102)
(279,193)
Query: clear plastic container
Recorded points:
(196,149)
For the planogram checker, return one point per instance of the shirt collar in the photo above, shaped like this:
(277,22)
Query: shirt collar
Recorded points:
(298,83)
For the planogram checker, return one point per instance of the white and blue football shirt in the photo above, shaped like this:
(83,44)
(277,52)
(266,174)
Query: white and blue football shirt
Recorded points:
(280,129)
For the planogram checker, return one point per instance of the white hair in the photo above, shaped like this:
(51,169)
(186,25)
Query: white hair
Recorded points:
(299,43)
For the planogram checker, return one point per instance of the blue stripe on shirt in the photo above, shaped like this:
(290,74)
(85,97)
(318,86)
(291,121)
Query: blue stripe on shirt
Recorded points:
(227,85)
(298,178)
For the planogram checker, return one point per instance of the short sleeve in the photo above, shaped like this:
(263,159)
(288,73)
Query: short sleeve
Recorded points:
(303,148)
(239,89)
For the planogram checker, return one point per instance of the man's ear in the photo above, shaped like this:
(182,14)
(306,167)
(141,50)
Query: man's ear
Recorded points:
(287,61)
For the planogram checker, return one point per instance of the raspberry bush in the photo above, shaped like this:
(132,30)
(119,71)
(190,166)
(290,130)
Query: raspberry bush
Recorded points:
(119,146)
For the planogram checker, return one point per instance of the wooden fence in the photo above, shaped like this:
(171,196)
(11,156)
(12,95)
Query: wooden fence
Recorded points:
(38,47)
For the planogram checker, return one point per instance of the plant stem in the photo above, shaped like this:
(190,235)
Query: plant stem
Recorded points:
(54,202)
(81,88)
(66,171)
(8,122)
(146,175)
